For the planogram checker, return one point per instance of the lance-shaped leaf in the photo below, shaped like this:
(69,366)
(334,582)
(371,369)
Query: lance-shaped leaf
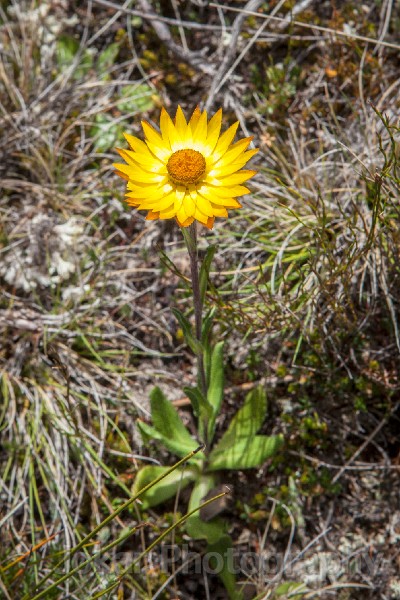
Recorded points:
(215,385)
(207,325)
(168,427)
(191,340)
(205,271)
(200,404)
(197,529)
(165,489)
(245,453)
(247,421)
(221,560)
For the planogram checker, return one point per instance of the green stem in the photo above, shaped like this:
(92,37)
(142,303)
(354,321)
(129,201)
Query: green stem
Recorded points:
(190,236)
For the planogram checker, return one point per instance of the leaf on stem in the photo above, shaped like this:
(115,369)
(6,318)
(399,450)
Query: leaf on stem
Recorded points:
(193,343)
(205,271)
(245,453)
(165,489)
(168,427)
(247,421)
(215,385)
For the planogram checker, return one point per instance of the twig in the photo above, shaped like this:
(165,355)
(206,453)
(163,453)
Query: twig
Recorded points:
(216,84)
(351,36)
(361,448)
(195,59)
(152,17)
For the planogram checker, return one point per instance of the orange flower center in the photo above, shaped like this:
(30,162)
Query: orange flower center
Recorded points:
(186,167)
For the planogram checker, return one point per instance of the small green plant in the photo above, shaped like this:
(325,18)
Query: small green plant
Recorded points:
(193,173)
(240,447)
(278,84)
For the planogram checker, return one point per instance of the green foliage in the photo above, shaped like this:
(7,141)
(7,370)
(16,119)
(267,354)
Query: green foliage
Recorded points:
(107,58)
(215,391)
(168,423)
(221,549)
(247,421)
(197,528)
(239,448)
(278,84)
(205,270)
(246,453)
(69,53)
(136,98)
(188,333)
(164,490)
(290,589)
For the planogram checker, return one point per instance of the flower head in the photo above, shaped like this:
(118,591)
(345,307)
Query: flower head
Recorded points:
(188,171)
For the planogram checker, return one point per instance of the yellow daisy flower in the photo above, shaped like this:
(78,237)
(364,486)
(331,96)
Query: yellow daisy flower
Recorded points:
(188,170)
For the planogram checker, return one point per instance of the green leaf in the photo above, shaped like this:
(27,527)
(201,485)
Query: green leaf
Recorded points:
(213,530)
(67,49)
(223,548)
(173,445)
(136,98)
(170,265)
(245,453)
(205,271)
(165,489)
(216,385)
(201,406)
(289,589)
(247,421)
(105,132)
(168,424)
(190,339)
(107,59)
(207,325)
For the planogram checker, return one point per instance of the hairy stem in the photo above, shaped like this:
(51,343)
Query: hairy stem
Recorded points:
(191,243)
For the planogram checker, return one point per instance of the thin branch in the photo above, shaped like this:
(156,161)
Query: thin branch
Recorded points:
(351,36)
(195,59)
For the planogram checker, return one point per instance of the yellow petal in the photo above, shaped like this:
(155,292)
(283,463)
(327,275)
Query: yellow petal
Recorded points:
(136,144)
(233,152)
(186,223)
(162,154)
(204,205)
(227,202)
(181,215)
(224,142)
(194,119)
(132,202)
(239,163)
(222,192)
(148,162)
(166,125)
(220,211)
(180,192)
(235,179)
(213,131)
(157,203)
(200,216)
(123,175)
(210,223)
(180,123)
(200,133)
(142,189)
(167,213)
(188,205)
(138,175)
(153,136)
